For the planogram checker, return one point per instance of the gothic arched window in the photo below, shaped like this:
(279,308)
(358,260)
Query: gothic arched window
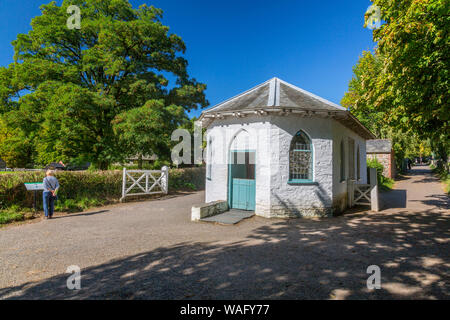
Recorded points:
(301,158)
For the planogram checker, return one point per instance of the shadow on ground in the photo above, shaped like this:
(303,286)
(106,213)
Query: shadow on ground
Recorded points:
(292,259)
(394,199)
(440,201)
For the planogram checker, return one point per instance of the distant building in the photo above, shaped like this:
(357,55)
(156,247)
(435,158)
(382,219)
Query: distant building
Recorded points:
(2,164)
(382,150)
(148,158)
(56,166)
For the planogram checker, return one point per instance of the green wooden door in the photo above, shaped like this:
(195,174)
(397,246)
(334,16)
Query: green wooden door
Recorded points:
(242,189)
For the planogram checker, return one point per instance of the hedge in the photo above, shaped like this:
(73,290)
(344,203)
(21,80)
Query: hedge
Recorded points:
(99,186)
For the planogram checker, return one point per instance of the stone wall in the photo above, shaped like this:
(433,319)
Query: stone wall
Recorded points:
(304,199)
(250,133)
(270,137)
(388,162)
(340,188)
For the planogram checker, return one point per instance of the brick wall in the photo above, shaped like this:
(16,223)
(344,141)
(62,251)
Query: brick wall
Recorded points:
(387,160)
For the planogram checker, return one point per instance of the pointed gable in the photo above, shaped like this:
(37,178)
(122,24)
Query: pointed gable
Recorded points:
(278,96)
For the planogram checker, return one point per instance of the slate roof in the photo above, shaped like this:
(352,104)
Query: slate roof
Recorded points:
(275,93)
(278,95)
(379,146)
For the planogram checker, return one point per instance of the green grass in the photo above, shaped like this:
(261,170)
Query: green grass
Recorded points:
(12,214)
(79,190)
(78,205)
(386,184)
(447,185)
(444,176)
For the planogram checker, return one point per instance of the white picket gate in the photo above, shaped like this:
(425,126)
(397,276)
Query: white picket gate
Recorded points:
(364,194)
(147,181)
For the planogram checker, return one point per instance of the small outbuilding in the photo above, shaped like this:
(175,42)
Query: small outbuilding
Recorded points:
(381,149)
(2,164)
(59,166)
(281,151)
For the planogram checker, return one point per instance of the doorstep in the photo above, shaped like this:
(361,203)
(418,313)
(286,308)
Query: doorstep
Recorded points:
(231,217)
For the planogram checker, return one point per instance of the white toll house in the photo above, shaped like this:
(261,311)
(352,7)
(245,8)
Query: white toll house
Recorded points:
(280,151)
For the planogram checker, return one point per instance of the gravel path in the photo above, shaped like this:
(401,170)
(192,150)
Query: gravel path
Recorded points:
(150,250)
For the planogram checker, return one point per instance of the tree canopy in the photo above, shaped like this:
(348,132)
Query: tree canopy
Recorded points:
(402,89)
(92,94)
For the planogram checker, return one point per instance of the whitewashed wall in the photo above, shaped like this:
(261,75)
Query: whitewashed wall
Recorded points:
(271,137)
(228,134)
(340,133)
(309,199)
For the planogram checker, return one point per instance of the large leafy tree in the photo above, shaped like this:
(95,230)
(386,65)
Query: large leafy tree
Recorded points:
(133,128)
(67,88)
(402,90)
(414,85)
(362,99)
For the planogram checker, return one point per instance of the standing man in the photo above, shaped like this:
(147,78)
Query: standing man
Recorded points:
(51,187)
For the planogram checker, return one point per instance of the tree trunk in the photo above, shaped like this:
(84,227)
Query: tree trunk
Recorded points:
(102,165)
(140,162)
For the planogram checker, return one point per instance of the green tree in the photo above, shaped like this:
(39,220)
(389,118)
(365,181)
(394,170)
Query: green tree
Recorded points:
(147,130)
(76,84)
(413,86)
(362,99)
(402,91)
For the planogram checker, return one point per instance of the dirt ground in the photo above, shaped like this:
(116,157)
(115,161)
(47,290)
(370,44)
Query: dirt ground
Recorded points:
(151,250)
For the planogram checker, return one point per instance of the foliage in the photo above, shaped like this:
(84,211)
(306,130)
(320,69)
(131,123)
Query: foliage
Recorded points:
(444,175)
(361,96)
(374,163)
(153,165)
(67,88)
(416,45)
(187,178)
(402,91)
(414,82)
(12,214)
(147,130)
(82,190)
(361,99)
(385,183)
(74,185)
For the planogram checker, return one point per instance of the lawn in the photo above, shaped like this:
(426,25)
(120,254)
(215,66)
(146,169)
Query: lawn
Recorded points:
(13,214)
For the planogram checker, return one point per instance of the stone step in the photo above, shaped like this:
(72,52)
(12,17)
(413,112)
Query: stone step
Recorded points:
(231,217)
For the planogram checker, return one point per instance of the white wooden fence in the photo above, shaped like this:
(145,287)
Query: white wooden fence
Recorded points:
(144,182)
(365,194)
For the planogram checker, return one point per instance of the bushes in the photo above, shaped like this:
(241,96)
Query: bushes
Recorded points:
(85,189)
(74,185)
(444,175)
(187,179)
(384,182)
(11,214)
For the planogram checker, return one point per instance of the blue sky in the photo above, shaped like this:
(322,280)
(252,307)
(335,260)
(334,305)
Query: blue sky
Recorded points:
(235,45)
